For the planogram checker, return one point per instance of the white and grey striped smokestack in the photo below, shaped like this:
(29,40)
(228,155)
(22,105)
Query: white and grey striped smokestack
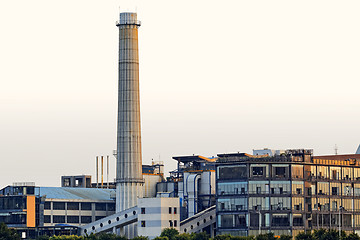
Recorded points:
(129,179)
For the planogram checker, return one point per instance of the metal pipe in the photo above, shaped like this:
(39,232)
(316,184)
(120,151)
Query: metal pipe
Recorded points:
(107,170)
(102,171)
(97,171)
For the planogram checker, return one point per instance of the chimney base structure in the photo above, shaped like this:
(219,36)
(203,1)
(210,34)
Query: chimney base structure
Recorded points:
(129,179)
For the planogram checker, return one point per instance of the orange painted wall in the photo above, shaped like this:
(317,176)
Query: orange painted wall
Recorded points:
(30,216)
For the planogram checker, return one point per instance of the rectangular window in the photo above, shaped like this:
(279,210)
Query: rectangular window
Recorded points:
(111,206)
(47,219)
(72,206)
(142,210)
(257,171)
(280,171)
(175,210)
(175,223)
(86,219)
(47,205)
(170,210)
(334,191)
(170,223)
(59,219)
(143,224)
(100,206)
(86,206)
(58,206)
(73,219)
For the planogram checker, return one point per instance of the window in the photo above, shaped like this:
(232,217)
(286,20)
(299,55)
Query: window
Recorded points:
(175,210)
(175,223)
(170,210)
(72,206)
(280,171)
(170,223)
(59,219)
(58,206)
(258,190)
(143,224)
(142,210)
(280,220)
(232,172)
(257,171)
(100,206)
(47,219)
(110,206)
(73,219)
(47,205)
(85,206)
(334,191)
(86,219)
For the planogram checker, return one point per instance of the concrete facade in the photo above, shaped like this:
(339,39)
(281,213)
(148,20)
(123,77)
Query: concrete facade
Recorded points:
(156,214)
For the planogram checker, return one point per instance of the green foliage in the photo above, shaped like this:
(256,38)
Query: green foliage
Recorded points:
(352,236)
(242,238)
(170,233)
(199,236)
(7,233)
(66,237)
(161,238)
(44,237)
(140,238)
(285,237)
(304,236)
(266,236)
(183,236)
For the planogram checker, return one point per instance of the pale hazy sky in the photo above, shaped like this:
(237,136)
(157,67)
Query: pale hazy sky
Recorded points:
(216,76)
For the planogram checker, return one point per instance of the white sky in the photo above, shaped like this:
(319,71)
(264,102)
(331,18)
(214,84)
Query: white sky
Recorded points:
(216,76)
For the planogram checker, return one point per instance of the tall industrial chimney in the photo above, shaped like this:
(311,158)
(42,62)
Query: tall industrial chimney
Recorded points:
(129,180)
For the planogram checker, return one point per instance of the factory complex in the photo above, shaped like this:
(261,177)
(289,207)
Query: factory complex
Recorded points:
(241,194)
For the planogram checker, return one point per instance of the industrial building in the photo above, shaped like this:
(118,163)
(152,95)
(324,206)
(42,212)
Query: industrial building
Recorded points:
(287,193)
(53,210)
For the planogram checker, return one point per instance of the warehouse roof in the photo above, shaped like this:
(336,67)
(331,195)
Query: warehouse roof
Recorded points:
(77,193)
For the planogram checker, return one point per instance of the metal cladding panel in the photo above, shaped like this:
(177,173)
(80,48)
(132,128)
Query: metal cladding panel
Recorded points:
(77,193)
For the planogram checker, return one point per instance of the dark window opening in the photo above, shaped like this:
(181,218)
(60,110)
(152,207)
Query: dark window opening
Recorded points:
(143,224)
(282,221)
(175,210)
(280,171)
(85,206)
(170,210)
(47,205)
(334,191)
(170,223)
(175,223)
(59,219)
(73,219)
(73,206)
(298,221)
(47,219)
(258,171)
(86,219)
(142,210)
(58,206)
(111,206)
(100,206)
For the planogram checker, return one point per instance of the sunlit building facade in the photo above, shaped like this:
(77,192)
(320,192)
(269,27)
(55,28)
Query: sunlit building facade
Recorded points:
(286,193)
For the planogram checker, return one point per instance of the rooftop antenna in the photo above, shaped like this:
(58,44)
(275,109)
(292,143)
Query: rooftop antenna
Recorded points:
(336,149)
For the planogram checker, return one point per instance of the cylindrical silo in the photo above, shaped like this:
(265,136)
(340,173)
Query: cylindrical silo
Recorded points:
(129,180)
